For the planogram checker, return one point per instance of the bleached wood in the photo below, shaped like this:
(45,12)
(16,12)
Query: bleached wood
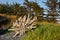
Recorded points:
(23,23)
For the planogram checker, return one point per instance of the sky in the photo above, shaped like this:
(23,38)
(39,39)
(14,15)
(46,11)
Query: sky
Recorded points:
(40,2)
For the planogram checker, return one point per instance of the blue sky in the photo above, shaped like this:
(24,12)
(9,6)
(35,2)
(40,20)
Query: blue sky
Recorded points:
(21,2)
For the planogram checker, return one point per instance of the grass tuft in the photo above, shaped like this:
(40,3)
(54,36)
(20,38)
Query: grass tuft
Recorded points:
(44,32)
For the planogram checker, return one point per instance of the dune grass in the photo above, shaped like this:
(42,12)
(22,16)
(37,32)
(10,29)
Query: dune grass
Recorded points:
(48,31)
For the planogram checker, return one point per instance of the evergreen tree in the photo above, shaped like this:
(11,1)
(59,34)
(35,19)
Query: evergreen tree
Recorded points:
(52,11)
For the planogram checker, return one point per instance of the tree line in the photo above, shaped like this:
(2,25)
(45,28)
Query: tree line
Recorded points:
(16,8)
(32,8)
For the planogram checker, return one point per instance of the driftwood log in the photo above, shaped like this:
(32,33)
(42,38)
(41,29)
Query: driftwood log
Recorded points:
(22,24)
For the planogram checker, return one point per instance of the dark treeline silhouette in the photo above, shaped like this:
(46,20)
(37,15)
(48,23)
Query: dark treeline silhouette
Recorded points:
(16,9)
(9,8)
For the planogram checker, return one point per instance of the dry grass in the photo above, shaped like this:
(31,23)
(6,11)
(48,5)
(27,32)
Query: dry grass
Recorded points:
(9,16)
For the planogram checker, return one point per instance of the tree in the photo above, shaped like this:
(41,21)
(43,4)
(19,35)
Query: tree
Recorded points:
(16,7)
(52,11)
(22,11)
(33,8)
(3,8)
(58,6)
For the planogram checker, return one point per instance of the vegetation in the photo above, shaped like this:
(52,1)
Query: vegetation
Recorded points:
(16,9)
(23,21)
(32,8)
(53,9)
(49,31)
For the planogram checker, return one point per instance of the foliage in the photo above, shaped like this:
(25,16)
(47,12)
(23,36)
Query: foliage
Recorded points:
(9,8)
(33,8)
(53,8)
(16,9)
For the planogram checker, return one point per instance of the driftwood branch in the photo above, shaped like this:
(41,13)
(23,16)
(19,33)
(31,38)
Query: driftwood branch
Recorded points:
(23,23)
